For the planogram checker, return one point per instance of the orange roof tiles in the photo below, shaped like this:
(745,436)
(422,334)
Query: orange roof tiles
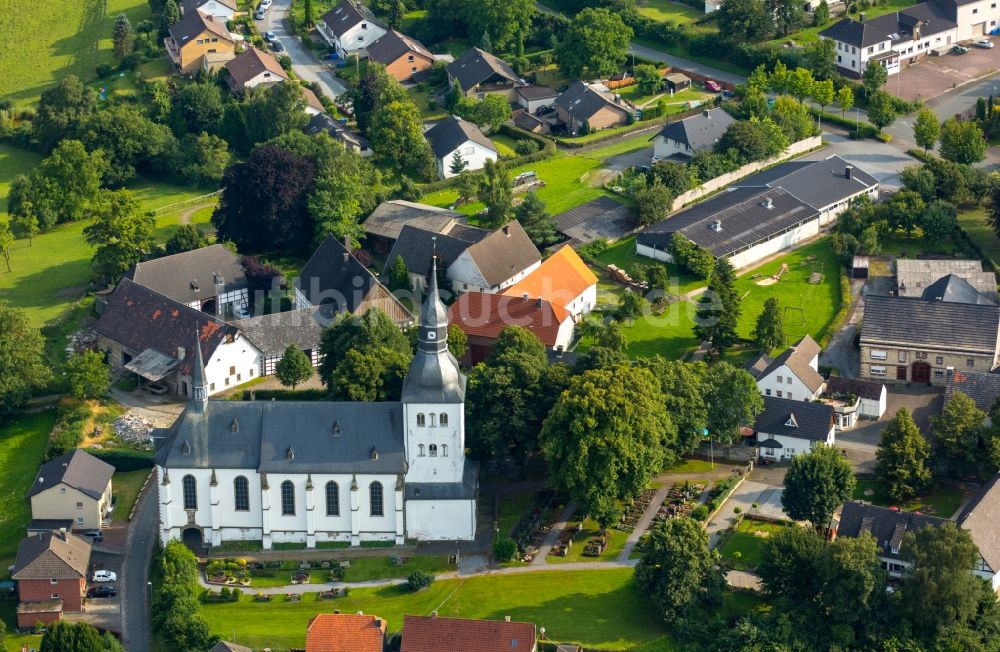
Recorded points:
(345,633)
(560,279)
(433,634)
(481,314)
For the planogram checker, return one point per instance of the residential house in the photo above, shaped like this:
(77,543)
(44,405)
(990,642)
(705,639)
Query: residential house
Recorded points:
(527,122)
(479,73)
(582,104)
(980,386)
(253,68)
(349,28)
(691,135)
(220,10)
(599,219)
(853,399)
(915,277)
(744,226)
(195,37)
(313,107)
(404,57)
(210,279)
(74,487)
(273,333)
(51,575)
(980,517)
(793,375)
(483,316)
(383,226)
(322,123)
(563,280)
(154,336)
(911,339)
(532,98)
(345,633)
(787,427)
(433,634)
(334,277)
(453,137)
(472,259)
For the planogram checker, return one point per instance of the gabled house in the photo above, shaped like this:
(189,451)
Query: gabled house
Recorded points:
(221,10)
(196,37)
(273,333)
(479,73)
(793,375)
(455,136)
(51,575)
(349,28)
(321,123)
(853,399)
(981,387)
(691,135)
(914,277)
(253,68)
(787,427)
(210,279)
(404,57)
(581,104)
(345,633)
(155,337)
(980,518)
(563,280)
(532,98)
(434,634)
(483,316)
(74,487)
(383,226)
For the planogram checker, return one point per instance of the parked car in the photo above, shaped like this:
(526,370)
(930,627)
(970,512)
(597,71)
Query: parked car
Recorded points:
(712,86)
(270,37)
(960,49)
(104,591)
(104,576)
(264,4)
(542,110)
(984,43)
(259,14)
(96,535)
(277,46)
(241,312)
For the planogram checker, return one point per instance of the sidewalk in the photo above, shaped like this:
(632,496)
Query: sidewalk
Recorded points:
(541,559)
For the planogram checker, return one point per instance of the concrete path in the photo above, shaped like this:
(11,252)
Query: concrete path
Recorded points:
(643,523)
(767,498)
(304,62)
(743,580)
(552,537)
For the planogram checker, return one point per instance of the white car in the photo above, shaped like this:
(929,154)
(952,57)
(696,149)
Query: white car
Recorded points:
(241,312)
(986,44)
(264,4)
(104,576)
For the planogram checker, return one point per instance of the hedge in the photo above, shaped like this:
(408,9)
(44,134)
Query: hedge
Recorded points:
(124,460)
(921,155)
(845,306)
(855,129)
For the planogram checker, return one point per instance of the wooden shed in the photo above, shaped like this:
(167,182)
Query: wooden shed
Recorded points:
(677,81)
(859,267)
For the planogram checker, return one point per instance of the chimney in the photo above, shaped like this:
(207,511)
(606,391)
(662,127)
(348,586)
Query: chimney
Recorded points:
(180,353)
(538,302)
(716,225)
(849,172)
(506,230)
(707,114)
(768,203)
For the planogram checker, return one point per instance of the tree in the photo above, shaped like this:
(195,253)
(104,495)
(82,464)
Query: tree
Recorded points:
(719,307)
(822,91)
(597,41)
(398,139)
(653,201)
(309,15)
(962,142)
(127,138)
(683,386)
(629,306)
(6,241)
(364,358)
(536,221)
(458,163)
(468,185)
(904,210)
(62,636)
(647,77)
(851,590)
(789,119)
(64,188)
(787,565)
(873,78)
(458,341)
(769,333)
(202,159)
(845,98)
(294,367)
(606,436)
(198,107)
(22,358)
(122,235)
(171,14)
(272,111)
(489,112)
(677,572)
(821,14)
(88,375)
(816,484)
(122,37)
(25,222)
(902,458)
(802,83)
(62,109)
(881,109)
(733,400)
(496,192)
(505,21)
(939,220)
(376,88)
(399,275)
(788,15)
(187,237)
(745,21)
(960,440)
(505,549)
(394,16)
(745,140)
(926,128)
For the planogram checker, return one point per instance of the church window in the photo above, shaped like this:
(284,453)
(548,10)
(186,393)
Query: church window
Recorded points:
(433,450)
(332,499)
(420,420)
(287,498)
(444,450)
(420,447)
(190,492)
(444,420)
(241,493)
(375,498)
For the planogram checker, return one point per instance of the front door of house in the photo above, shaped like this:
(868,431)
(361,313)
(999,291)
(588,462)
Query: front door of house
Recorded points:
(901,372)
(921,372)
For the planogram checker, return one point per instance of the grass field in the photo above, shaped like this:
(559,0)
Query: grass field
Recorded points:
(65,38)
(126,487)
(691,466)
(622,254)
(939,501)
(675,104)
(664,10)
(22,442)
(975,224)
(381,568)
(748,540)
(505,145)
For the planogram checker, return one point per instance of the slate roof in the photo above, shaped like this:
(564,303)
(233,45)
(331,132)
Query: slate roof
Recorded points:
(303,328)
(955,289)
(915,323)
(700,131)
(744,216)
(191,275)
(817,183)
(980,517)
(389,218)
(866,389)
(797,358)
(392,45)
(894,27)
(887,525)
(449,134)
(464,490)
(191,5)
(477,66)
(321,122)
(226,646)
(51,555)
(530,93)
(757,366)
(486,315)
(345,633)
(582,101)
(526,121)
(140,319)
(77,469)
(504,253)
(288,437)
(599,218)
(194,24)
(982,388)
(252,62)
(914,276)
(346,15)
(814,420)
(433,634)
(416,246)
(560,279)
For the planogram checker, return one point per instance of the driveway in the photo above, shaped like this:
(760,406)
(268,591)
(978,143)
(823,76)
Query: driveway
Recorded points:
(923,402)
(931,77)
(881,160)
(700,68)
(304,63)
(766,497)
(103,613)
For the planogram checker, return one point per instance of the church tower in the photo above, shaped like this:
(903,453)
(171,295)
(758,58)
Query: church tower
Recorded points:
(434,399)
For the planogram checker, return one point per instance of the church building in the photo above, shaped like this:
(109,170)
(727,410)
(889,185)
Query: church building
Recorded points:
(321,471)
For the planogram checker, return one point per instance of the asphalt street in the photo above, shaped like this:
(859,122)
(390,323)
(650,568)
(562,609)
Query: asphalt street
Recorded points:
(304,63)
(134,589)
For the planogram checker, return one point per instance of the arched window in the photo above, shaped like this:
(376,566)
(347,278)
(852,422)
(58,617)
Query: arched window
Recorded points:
(287,498)
(433,418)
(332,499)
(433,450)
(444,450)
(190,492)
(420,420)
(241,493)
(444,420)
(420,447)
(375,499)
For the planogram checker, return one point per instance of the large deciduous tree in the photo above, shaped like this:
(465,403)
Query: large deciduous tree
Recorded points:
(63,636)
(88,375)
(961,441)
(197,107)
(398,140)
(873,78)
(939,220)
(733,400)
(496,192)
(596,41)
(787,565)
(65,187)
(881,109)
(653,201)
(294,367)
(61,111)
(962,142)
(926,128)
(506,21)
(128,139)
(364,358)
(816,484)
(683,386)
(272,111)
(122,234)
(903,458)
(744,21)
(22,358)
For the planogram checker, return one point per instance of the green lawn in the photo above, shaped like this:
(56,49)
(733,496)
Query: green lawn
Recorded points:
(691,466)
(22,442)
(748,539)
(670,334)
(15,641)
(975,224)
(505,145)
(664,10)
(512,508)
(622,254)
(620,146)
(939,501)
(616,541)
(57,39)
(126,486)
(381,568)
(675,104)
(599,609)
(915,245)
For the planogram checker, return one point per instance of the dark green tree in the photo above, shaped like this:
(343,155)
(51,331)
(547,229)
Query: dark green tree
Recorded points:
(293,368)
(62,636)
(873,78)
(309,15)
(630,306)
(787,565)
(745,21)
(903,458)
(851,591)
(128,140)
(496,193)
(65,187)
(788,15)
(62,110)
(653,201)
(961,442)
(122,37)
(198,107)
(122,234)
(821,14)
(962,142)
(468,186)
(171,14)
(88,375)
(394,17)
(881,108)
(597,41)
(458,341)
(399,275)
(187,237)
(458,163)
(647,77)
(22,358)
(684,387)
(769,333)
(6,242)
(273,111)
(816,484)
(536,221)
(364,358)
(939,221)
(719,308)
(733,400)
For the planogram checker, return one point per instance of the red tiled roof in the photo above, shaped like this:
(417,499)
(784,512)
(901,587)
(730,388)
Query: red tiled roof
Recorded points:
(345,633)
(486,315)
(433,634)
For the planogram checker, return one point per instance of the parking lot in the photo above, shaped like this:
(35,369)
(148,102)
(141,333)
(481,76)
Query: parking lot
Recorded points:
(931,76)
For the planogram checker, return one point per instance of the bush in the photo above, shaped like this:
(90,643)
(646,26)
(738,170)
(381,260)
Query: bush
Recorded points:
(125,460)
(524,147)
(104,70)
(505,549)
(592,250)
(282,395)
(130,61)
(700,513)
(419,580)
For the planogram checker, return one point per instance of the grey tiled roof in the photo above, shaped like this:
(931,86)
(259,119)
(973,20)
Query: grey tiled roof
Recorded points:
(981,517)
(700,131)
(504,253)
(416,247)
(273,333)
(449,134)
(886,525)
(477,66)
(894,26)
(813,420)
(955,289)
(817,183)
(193,24)
(582,101)
(914,276)
(49,555)
(77,469)
(797,358)
(866,389)
(226,646)
(389,218)
(346,15)
(915,323)
(982,388)
(192,275)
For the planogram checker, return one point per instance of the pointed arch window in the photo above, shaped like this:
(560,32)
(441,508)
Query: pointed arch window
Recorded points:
(420,420)
(190,492)
(287,498)
(375,499)
(241,494)
(443,420)
(332,499)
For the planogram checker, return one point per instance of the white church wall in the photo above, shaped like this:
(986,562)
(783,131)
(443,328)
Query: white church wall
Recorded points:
(425,467)
(441,520)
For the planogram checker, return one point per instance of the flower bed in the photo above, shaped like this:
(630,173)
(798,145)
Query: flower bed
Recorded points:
(228,571)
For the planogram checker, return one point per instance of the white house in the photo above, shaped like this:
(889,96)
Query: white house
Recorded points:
(222,10)
(321,471)
(980,518)
(453,137)
(793,375)
(788,427)
(350,27)
(564,280)
(532,98)
(691,135)
(854,399)
(252,68)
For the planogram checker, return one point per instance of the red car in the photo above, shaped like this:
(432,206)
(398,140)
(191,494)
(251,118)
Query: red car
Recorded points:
(712,86)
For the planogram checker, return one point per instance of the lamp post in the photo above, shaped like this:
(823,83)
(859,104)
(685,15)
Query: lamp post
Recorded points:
(916,92)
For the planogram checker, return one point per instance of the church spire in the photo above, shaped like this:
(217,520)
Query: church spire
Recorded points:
(199,395)
(433,317)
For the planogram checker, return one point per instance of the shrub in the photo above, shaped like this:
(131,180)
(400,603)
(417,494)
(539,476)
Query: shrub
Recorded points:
(104,70)
(524,147)
(418,580)
(130,61)
(505,549)
(700,513)
(593,249)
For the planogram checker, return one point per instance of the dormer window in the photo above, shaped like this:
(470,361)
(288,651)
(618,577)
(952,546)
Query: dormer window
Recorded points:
(791,423)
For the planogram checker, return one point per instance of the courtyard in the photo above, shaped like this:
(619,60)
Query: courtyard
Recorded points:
(931,76)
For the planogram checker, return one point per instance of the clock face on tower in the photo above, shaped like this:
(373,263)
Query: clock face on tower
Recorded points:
(432,335)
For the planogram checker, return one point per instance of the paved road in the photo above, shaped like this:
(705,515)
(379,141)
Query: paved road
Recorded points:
(687,64)
(136,614)
(305,65)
